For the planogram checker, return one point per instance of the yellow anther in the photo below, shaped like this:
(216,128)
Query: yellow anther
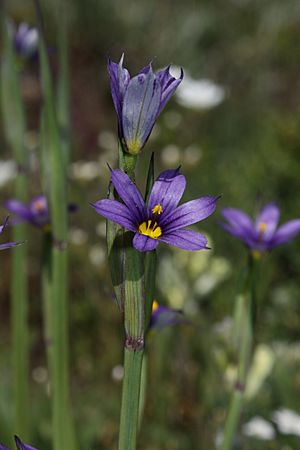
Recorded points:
(155,305)
(262,227)
(150,229)
(157,209)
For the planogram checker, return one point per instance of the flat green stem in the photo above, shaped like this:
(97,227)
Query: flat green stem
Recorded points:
(244,338)
(14,128)
(130,399)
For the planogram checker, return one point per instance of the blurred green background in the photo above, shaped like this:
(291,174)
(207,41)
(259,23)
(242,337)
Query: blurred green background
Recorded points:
(239,136)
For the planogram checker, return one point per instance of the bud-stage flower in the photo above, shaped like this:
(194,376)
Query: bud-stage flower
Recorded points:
(19,444)
(161,220)
(26,41)
(263,234)
(139,101)
(7,244)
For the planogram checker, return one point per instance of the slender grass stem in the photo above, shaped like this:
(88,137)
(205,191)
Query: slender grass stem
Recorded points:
(57,194)
(244,330)
(14,128)
(47,300)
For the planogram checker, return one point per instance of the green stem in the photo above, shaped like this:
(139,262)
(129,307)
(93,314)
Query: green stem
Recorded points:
(57,194)
(244,338)
(130,399)
(47,301)
(133,304)
(14,127)
(19,325)
(143,390)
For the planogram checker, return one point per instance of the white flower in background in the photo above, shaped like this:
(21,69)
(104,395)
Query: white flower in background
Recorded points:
(259,428)
(107,141)
(8,171)
(85,170)
(288,421)
(78,236)
(97,255)
(170,155)
(101,229)
(117,373)
(198,94)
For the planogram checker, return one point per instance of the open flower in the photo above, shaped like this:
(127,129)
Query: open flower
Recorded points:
(263,234)
(7,244)
(161,220)
(139,101)
(36,212)
(19,444)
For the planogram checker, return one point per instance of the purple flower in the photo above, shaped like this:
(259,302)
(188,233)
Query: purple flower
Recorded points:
(263,234)
(19,444)
(162,317)
(36,212)
(8,244)
(26,41)
(139,101)
(161,220)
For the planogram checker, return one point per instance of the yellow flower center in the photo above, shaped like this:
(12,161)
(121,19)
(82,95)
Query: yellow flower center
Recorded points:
(134,146)
(262,227)
(39,205)
(155,305)
(256,254)
(151,229)
(157,209)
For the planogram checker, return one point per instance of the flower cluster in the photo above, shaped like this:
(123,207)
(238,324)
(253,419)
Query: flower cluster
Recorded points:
(263,234)
(162,220)
(139,101)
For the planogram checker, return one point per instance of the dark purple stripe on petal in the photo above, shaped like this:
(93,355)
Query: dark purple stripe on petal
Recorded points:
(167,191)
(130,194)
(185,239)
(269,216)
(286,233)
(140,109)
(144,243)
(189,213)
(116,212)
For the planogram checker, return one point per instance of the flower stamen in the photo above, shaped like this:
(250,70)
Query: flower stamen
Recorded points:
(151,229)
(39,205)
(262,229)
(157,209)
